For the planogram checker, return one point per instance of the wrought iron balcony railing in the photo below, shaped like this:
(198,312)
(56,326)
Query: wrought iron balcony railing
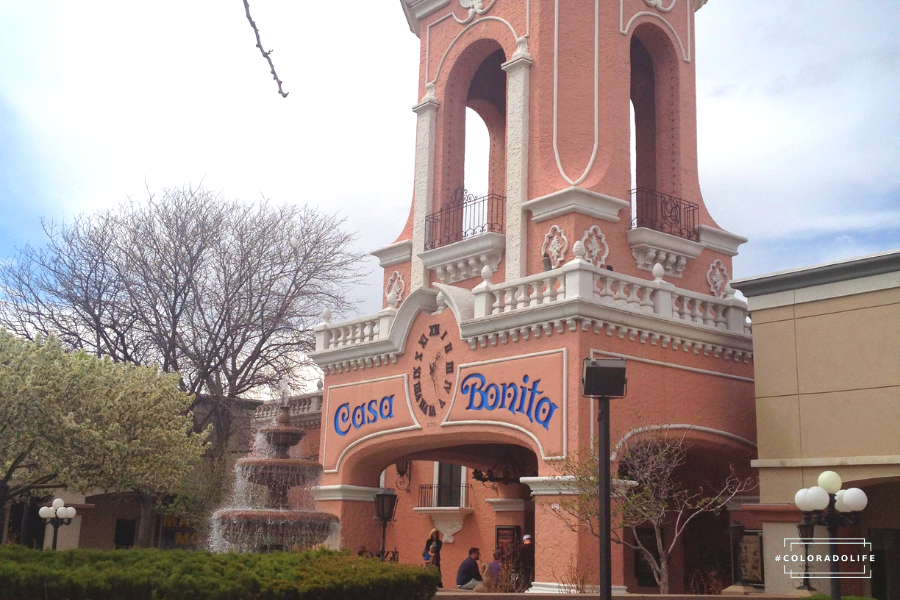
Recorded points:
(437,495)
(463,217)
(667,214)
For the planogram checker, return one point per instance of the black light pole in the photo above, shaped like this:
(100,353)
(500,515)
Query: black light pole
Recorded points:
(604,379)
(828,505)
(807,532)
(57,514)
(385,505)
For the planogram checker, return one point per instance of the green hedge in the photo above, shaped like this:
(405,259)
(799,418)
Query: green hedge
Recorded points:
(180,575)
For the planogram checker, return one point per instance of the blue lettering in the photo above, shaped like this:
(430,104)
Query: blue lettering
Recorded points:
(544,412)
(472,389)
(387,403)
(342,416)
(523,399)
(357,418)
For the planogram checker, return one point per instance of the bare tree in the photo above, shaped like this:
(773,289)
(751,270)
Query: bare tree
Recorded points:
(650,493)
(223,292)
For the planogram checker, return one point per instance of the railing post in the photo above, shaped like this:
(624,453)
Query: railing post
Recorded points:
(663,305)
(579,275)
(484,295)
(735,315)
(385,320)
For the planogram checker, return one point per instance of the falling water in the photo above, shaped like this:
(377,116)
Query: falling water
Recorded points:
(259,517)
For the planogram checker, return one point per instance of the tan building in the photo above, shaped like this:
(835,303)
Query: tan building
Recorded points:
(826,343)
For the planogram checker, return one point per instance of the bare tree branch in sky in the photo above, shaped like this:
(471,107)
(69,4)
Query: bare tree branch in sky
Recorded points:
(223,292)
(265,53)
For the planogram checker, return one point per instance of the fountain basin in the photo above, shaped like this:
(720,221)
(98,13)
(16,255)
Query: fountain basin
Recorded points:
(252,530)
(282,435)
(279,472)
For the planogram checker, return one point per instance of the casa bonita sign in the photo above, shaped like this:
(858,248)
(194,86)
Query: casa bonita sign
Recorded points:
(524,393)
(493,396)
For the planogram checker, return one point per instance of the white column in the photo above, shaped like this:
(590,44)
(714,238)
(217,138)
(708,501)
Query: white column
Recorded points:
(518,69)
(423,189)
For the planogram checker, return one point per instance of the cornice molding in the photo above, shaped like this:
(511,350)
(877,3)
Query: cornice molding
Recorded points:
(393,254)
(720,240)
(842,271)
(356,493)
(416,10)
(577,200)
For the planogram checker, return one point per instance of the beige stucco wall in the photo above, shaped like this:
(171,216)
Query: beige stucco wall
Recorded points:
(827,390)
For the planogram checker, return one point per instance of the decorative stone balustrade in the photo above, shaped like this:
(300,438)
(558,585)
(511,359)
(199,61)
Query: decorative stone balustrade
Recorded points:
(354,332)
(575,295)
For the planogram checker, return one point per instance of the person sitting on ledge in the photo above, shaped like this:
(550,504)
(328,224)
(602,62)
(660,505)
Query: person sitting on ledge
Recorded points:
(468,575)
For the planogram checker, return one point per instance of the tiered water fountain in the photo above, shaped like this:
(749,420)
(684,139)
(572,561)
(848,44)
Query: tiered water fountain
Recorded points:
(265,522)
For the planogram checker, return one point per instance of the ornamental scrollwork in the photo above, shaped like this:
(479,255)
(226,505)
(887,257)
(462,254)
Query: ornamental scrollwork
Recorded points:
(555,245)
(475,7)
(658,5)
(393,291)
(595,246)
(717,277)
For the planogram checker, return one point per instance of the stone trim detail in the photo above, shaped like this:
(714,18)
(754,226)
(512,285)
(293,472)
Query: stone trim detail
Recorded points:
(717,278)
(595,246)
(448,520)
(393,291)
(344,492)
(555,245)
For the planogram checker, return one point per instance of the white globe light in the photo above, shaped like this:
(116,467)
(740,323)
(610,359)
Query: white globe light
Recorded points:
(855,499)
(839,501)
(817,498)
(70,512)
(45,512)
(58,503)
(800,501)
(830,481)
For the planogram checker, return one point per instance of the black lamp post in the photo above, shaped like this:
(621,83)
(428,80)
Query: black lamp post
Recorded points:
(604,379)
(385,505)
(807,532)
(737,535)
(828,505)
(57,514)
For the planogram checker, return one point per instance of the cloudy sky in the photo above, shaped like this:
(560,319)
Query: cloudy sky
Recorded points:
(799,124)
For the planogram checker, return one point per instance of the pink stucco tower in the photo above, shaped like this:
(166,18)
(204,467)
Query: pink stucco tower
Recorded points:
(472,369)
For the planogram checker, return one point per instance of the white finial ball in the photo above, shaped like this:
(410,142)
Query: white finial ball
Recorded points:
(486,273)
(320,384)
(855,499)
(830,481)
(326,315)
(658,271)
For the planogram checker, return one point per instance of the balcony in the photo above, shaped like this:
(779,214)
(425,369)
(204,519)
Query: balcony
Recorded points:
(465,216)
(665,232)
(447,505)
(667,214)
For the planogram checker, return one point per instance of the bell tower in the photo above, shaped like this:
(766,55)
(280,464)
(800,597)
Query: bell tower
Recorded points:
(556,84)
(492,302)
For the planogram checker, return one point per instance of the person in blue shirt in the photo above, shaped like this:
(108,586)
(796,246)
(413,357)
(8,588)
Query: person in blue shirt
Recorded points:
(469,575)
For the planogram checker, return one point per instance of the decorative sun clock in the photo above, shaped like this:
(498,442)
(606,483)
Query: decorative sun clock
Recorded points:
(433,370)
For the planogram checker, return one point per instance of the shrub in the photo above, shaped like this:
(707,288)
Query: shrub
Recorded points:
(27,574)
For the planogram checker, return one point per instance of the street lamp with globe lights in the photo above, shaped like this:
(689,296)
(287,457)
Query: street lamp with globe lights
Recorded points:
(828,505)
(57,514)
